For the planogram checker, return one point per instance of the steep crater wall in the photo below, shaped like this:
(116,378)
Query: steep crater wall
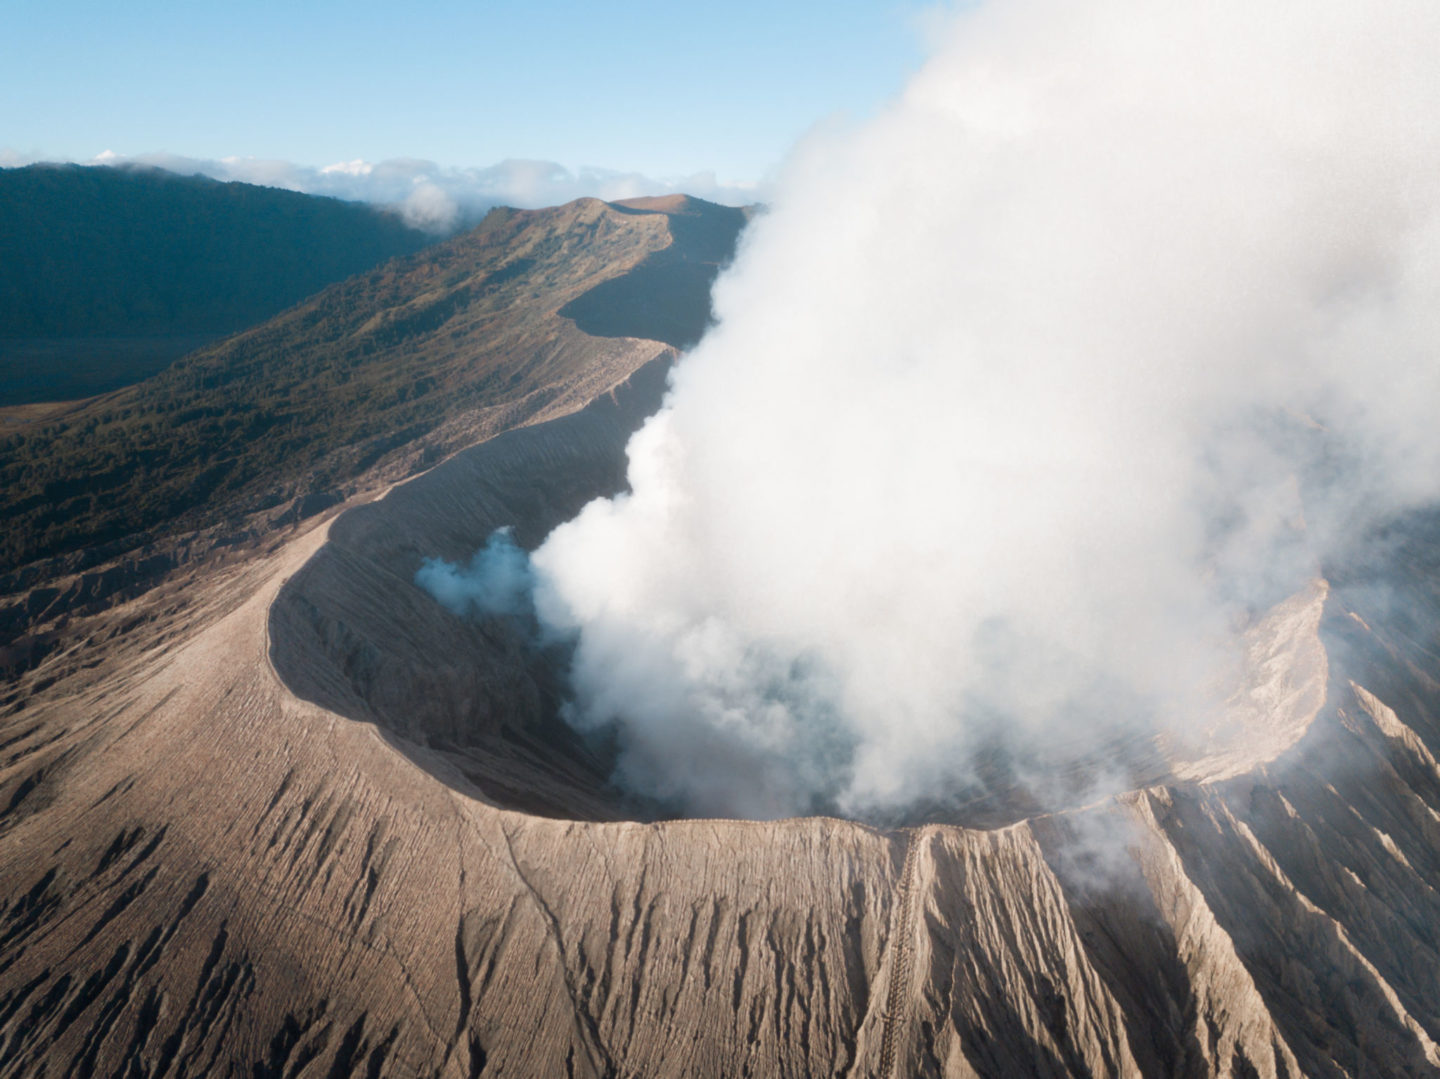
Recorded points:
(476,700)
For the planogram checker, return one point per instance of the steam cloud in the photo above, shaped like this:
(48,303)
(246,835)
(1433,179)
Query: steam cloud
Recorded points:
(496,582)
(1013,395)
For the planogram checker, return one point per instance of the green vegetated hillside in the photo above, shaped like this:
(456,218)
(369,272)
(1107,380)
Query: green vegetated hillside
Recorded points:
(314,397)
(109,274)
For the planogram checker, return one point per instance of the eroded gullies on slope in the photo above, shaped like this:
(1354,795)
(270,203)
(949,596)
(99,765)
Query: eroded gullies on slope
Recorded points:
(478,700)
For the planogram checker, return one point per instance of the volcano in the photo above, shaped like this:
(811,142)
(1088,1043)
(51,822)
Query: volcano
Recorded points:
(268,808)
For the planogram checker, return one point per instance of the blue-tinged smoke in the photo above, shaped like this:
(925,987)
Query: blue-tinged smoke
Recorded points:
(496,581)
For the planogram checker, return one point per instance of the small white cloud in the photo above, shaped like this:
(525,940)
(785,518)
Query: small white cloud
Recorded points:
(357,167)
(430,209)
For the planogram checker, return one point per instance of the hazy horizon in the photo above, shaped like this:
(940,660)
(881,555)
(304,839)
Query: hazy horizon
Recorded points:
(643,90)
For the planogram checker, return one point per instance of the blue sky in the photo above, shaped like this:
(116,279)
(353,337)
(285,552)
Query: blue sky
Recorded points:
(665,89)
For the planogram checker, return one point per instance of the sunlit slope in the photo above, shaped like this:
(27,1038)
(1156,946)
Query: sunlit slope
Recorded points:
(207,873)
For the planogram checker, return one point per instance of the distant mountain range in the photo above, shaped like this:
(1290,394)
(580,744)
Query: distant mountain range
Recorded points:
(109,274)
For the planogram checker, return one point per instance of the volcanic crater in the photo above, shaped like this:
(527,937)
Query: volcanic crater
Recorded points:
(478,702)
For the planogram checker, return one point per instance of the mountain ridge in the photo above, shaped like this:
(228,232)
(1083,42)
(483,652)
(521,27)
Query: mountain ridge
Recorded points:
(375,373)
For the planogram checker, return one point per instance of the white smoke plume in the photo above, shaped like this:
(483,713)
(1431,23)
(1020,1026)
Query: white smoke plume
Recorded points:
(1013,395)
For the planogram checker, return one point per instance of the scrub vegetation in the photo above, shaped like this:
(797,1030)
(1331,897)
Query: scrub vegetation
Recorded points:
(301,404)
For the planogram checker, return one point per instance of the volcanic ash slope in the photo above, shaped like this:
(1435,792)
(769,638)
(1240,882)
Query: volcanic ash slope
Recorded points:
(312,824)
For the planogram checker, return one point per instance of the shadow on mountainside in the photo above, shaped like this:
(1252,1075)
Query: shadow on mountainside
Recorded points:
(667,296)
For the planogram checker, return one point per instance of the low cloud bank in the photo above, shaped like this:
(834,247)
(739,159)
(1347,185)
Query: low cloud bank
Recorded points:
(429,196)
(1021,400)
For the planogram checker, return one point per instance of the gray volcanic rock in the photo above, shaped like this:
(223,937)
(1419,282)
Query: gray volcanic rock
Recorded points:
(297,819)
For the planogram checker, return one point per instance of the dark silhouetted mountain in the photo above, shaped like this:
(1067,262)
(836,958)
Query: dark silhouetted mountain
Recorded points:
(109,274)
